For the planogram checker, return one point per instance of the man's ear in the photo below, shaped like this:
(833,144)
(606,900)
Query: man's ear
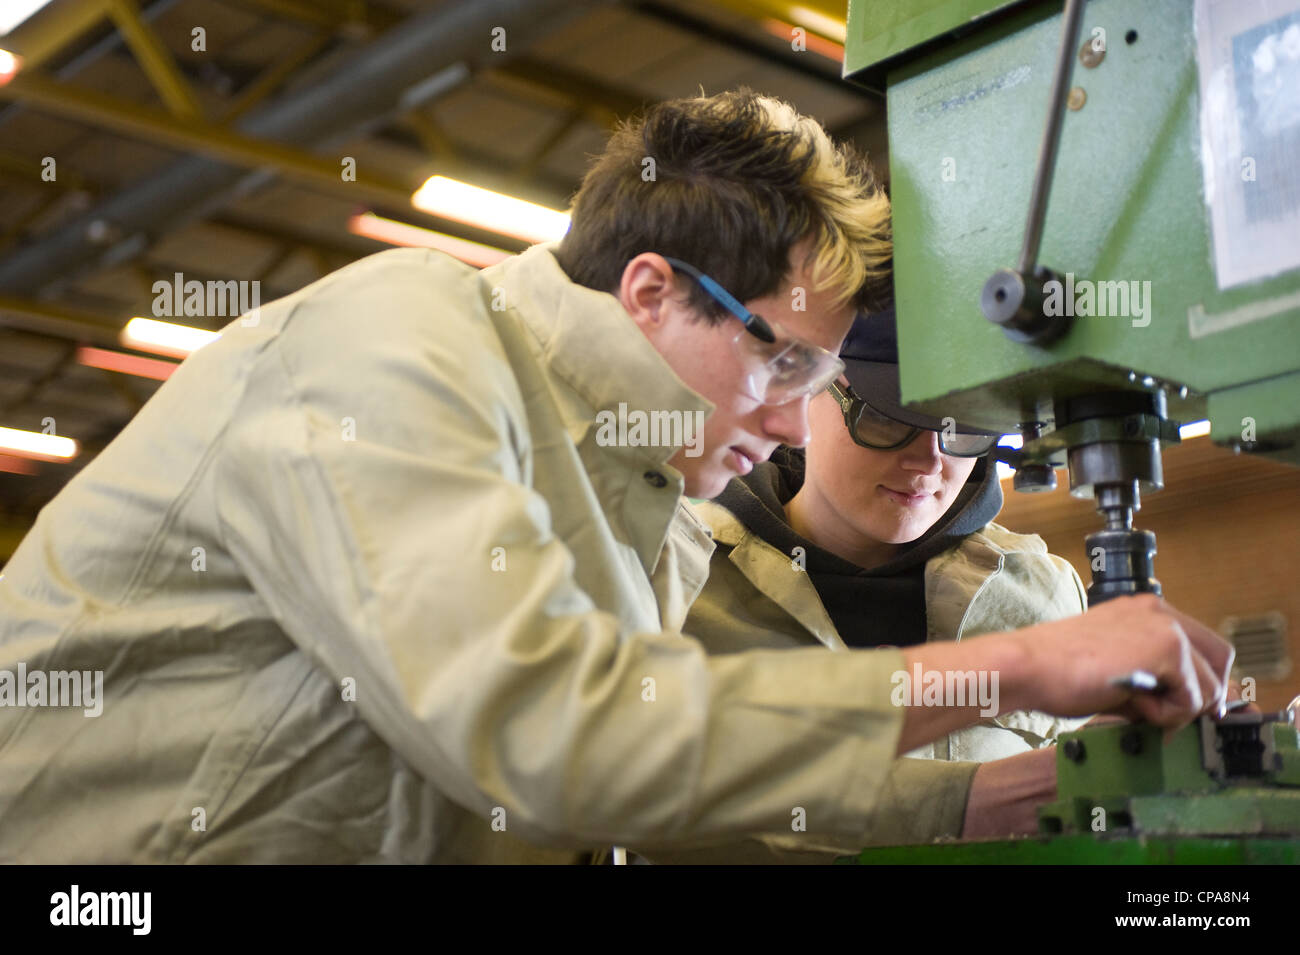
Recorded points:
(647,286)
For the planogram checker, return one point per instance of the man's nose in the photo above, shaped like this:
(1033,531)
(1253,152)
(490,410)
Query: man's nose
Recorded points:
(788,423)
(922,453)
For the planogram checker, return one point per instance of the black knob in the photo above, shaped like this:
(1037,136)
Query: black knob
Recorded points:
(1014,302)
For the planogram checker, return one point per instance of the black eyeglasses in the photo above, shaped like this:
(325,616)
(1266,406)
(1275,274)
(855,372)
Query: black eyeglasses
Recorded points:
(780,367)
(873,429)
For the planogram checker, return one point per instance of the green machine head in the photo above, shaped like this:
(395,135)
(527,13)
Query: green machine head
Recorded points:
(1097,231)
(1097,238)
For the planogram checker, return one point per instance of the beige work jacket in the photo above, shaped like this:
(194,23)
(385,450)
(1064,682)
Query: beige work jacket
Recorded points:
(362,586)
(994,580)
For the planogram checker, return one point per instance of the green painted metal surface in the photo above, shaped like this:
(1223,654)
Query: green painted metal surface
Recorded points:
(1127,205)
(1150,765)
(1091,850)
(882,32)
(1263,408)
(967,84)
(1158,806)
(1286,741)
(1238,810)
(1128,777)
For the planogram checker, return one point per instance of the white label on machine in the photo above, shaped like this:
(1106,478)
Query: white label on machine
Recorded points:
(1249,60)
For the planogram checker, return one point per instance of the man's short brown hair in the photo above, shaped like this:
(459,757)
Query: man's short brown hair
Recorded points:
(731,183)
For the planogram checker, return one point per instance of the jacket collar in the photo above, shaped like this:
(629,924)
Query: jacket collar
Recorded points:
(590,343)
(953,579)
(771,573)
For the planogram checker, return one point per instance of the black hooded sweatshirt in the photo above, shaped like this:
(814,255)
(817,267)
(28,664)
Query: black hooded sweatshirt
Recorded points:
(884,606)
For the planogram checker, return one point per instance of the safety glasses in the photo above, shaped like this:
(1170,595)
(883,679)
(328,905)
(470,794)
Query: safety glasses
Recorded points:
(779,368)
(873,429)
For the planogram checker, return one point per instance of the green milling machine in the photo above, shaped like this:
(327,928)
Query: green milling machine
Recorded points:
(1097,238)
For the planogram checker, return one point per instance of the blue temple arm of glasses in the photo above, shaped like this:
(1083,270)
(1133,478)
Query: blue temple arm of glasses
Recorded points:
(754,324)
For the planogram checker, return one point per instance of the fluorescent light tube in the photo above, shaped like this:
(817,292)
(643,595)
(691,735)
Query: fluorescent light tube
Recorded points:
(493,211)
(165,338)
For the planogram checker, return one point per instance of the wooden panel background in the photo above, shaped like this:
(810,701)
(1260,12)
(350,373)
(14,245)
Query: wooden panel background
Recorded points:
(1227,532)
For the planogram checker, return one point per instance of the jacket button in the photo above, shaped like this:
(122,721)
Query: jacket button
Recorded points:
(655,479)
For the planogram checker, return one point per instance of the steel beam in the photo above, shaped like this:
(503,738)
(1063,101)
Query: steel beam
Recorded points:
(109,42)
(14,229)
(23,170)
(274,77)
(349,17)
(371,83)
(346,246)
(155,59)
(530,165)
(603,103)
(58,322)
(154,126)
(37,384)
(432,137)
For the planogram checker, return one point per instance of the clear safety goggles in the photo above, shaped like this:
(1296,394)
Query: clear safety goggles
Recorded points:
(779,367)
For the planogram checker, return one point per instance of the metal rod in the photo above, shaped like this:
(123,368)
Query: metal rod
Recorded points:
(1051,137)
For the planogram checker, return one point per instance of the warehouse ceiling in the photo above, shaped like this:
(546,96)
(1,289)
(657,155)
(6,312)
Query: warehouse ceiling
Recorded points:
(144,138)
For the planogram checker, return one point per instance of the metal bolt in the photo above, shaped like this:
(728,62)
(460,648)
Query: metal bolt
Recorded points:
(100,231)
(1090,56)
(1077,98)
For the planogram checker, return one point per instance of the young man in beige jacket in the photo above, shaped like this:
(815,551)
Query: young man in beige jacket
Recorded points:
(373,577)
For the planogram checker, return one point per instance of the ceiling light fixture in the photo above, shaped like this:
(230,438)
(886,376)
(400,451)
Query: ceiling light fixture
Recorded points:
(393,232)
(32,444)
(119,361)
(811,41)
(165,338)
(827,26)
(10,64)
(14,12)
(493,211)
